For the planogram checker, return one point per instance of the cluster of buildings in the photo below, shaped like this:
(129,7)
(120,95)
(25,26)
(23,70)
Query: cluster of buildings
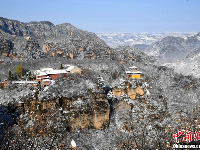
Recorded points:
(45,76)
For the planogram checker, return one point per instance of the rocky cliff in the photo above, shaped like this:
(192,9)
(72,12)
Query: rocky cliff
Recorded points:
(89,110)
(75,113)
(130,90)
(127,116)
(6,47)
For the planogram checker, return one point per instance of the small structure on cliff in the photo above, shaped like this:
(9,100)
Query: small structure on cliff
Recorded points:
(133,73)
(72,69)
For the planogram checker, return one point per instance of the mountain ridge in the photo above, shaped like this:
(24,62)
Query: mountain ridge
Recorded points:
(65,39)
(171,49)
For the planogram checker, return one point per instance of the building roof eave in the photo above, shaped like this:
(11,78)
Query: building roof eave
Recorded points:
(133,72)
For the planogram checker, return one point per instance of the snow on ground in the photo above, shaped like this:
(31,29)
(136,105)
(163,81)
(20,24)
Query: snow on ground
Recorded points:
(187,67)
(14,95)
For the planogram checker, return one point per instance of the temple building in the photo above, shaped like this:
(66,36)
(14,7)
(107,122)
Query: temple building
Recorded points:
(133,73)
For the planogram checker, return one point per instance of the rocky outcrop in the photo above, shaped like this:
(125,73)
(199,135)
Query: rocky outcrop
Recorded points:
(126,53)
(45,48)
(31,50)
(6,47)
(128,91)
(140,117)
(78,113)
(101,110)
(82,114)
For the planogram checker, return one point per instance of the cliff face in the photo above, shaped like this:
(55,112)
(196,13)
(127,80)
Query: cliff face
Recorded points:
(82,114)
(46,117)
(6,47)
(63,40)
(91,110)
(43,30)
(74,113)
(128,91)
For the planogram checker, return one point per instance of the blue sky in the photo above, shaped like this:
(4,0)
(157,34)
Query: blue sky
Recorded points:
(134,16)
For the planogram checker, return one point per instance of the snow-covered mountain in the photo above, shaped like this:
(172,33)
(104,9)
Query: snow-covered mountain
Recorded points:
(171,49)
(188,66)
(30,40)
(120,39)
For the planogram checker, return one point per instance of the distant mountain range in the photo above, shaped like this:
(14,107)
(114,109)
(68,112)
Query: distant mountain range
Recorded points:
(182,54)
(121,39)
(171,49)
(180,51)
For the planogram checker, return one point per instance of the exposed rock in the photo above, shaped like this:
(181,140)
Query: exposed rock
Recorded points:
(101,111)
(79,112)
(6,47)
(45,48)
(31,50)
(131,92)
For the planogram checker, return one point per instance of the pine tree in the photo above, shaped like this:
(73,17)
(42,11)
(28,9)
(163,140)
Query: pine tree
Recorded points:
(9,75)
(61,66)
(29,74)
